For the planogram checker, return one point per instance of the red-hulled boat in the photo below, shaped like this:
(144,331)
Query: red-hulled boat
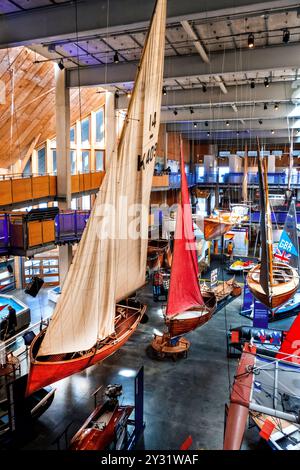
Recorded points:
(110,262)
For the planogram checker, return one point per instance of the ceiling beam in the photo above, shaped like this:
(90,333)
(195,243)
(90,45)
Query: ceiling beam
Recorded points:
(245,113)
(178,67)
(102,17)
(220,126)
(242,94)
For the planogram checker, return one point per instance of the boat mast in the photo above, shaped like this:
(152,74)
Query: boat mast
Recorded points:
(245,176)
(266,270)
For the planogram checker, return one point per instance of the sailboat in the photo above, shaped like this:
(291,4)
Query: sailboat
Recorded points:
(219,223)
(187,308)
(95,315)
(267,390)
(272,281)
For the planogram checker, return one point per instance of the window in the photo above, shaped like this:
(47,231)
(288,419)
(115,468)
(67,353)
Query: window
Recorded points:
(85,161)
(72,135)
(86,203)
(42,161)
(85,131)
(99,164)
(27,169)
(54,165)
(73,162)
(100,126)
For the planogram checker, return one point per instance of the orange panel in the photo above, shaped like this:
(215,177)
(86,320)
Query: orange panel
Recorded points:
(5,192)
(160,181)
(75,183)
(81,183)
(21,189)
(40,187)
(52,185)
(96,179)
(35,233)
(87,181)
(48,228)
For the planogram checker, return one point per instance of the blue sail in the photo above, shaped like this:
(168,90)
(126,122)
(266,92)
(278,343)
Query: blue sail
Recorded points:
(287,250)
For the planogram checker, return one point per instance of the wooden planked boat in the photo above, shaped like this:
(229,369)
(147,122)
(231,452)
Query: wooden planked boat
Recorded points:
(274,282)
(218,224)
(284,286)
(224,289)
(106,425)
(159,254)
(194,317)
(49,369)
(92,320)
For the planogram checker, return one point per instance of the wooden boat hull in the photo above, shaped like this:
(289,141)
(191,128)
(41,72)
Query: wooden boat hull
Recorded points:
(53,368)
(281,292)
(214,228)
(159,254)
(190,320)
(90,438)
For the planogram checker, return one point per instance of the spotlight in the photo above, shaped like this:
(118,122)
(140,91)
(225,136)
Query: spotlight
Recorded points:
(272,131)
(276,106)
(237,132)
(192,111)
(116,58)
(251,41)
(117,94)
(61,64)
(208,134)
(266,82)
(298,131)
(260,121)
(195,124)
(175,112)
(227,123)
(129,94)
(265,106)
(252,83)
(206,123)
(286,36)
(164,91)
(204,88)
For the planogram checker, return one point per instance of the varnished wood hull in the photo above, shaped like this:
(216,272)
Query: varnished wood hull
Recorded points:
(53,368)
(214,228)
(178,327)
(90,438)
(159,254)
(281,293)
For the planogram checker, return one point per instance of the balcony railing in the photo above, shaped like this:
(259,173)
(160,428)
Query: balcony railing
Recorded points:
(214,177)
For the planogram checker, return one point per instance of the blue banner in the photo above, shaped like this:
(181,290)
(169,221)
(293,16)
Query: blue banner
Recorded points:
(260,317)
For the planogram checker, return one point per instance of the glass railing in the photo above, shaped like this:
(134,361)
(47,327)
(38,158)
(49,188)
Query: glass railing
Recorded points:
(237,178)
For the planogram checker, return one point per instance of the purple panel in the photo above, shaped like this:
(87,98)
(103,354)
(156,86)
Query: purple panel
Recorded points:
(7,7)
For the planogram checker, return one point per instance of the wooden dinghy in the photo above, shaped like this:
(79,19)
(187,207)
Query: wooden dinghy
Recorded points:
(224,289)
(193,318)
(186,309)
(274,282)
(284,286)
(91,320)
(217,225)
(106,425)
(159,254)
(49,369)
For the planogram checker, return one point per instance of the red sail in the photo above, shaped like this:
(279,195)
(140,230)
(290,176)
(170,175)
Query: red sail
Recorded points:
(290,348)
(184,291)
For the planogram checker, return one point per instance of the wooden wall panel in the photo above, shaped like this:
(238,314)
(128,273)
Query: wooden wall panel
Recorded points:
(21,190)
(35,233)
(75,183)
(40,187)
(52,185)
(5,192)
(48,231)
(160,181)
(87,181)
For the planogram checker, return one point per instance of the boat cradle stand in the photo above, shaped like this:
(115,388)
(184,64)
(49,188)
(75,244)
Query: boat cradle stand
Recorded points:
(166,346)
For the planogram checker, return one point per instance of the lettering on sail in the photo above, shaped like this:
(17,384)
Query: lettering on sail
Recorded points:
(150,153)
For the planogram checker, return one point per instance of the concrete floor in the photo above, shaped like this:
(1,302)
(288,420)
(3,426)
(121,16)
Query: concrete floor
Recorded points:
(182,398)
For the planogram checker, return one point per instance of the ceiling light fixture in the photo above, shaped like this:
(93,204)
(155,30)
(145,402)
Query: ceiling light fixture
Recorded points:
(116,58)
(204,88)
(266,82)
(265,106)
(175,112)
(61,64)
(117,94)
(286,36)
(227,123)
(260,121)
(251,41)
(252,83)
(208,134)
(129,94)
(272,131)
(195,124)
(192,111)
(164,91)
(276,106)
(206,123)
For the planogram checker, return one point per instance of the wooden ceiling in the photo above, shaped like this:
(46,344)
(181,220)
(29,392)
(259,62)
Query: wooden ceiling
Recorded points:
(29,105)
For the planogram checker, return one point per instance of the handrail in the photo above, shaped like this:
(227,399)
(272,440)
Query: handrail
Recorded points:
(4,345)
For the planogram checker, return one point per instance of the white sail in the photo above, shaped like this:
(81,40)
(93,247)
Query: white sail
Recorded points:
(110,261)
